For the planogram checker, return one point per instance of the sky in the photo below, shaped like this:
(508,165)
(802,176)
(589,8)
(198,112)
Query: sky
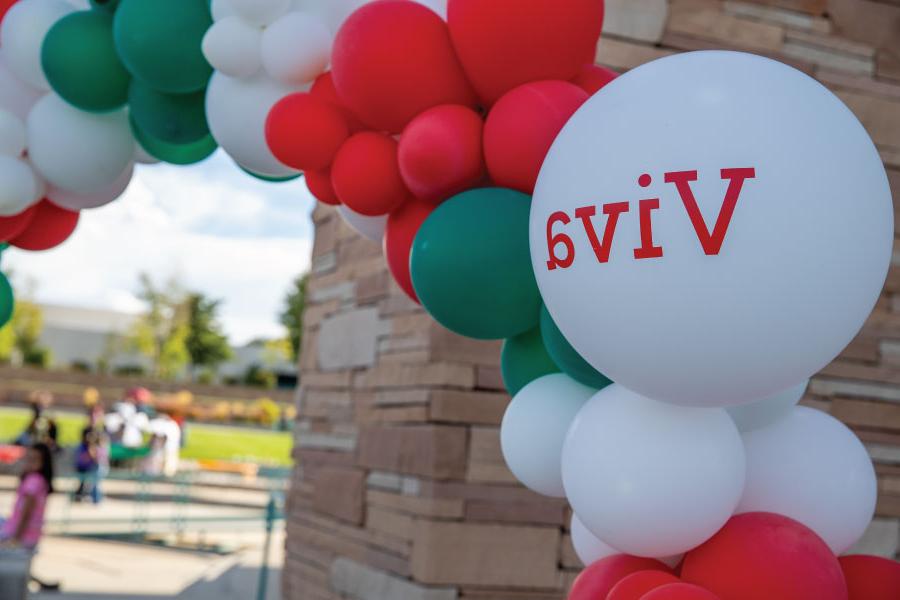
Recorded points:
(214,228)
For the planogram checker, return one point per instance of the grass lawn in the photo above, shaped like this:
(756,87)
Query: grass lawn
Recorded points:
(210,442)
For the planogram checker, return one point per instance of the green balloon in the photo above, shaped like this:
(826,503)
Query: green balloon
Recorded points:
(173,118)
(565,356)
(80,61)
(177,154)
(524,359)
(471,267)
(107,5)
(160,42)
(269,178)
(7,301)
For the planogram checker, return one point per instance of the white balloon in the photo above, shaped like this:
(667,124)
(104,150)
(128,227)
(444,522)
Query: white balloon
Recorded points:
(237,110)
(78,151)
(20,187)
(761,413)
(534,429)
(800,265)
(221,9)
(811,468)
(15,95)
(232,46)
(23,30)
(73,201)
(587,546)
(438,6)
(260,12)
(369,227)
(332,12)
(296,48)
(12,134)
(651,478)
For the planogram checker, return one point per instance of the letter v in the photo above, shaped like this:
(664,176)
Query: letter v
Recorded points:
(711,242)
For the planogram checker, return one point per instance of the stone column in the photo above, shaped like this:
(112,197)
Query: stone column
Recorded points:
(400,491)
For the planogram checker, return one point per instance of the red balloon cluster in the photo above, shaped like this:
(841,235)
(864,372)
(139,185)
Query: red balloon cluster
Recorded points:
(40,227)
(754,556)
(417,110)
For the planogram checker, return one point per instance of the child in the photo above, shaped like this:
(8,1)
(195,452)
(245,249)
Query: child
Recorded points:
(26,523)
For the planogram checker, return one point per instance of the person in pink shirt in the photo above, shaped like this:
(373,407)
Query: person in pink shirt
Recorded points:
(24,526)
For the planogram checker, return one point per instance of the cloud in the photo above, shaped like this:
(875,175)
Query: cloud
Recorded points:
(213,227)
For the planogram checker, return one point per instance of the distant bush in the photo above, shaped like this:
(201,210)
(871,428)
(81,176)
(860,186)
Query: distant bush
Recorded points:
(258,376)
(81,366)
(130,370)
(37,357)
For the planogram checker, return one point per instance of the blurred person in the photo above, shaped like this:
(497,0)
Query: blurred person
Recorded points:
(42,429)
(165,447)
(24,527)
(92,457)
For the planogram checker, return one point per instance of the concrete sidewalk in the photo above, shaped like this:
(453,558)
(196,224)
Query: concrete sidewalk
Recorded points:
(99,570)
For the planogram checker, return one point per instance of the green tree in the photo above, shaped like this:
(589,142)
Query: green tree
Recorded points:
(206,345)
(161,333)
(292,314)
(22,335)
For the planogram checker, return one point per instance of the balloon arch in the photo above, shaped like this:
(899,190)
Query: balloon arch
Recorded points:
(707,232)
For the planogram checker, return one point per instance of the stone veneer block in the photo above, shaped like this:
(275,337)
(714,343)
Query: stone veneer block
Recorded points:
(490,555)
(363,583)
(340,493)
(431,450)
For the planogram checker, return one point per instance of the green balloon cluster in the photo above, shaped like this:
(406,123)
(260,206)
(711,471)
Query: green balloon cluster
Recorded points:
(159,41)
(7,301)
(146,54)
(79,58)
(566,357)
(471,266)
(524,359)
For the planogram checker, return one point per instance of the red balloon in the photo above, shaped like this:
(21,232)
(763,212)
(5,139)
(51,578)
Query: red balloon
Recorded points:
(871,577)
(392,60)
(597,580)
(5,5)
(366,174)
(441,152)
(11,227)
(323,88)
(521,128)
(305,132)
(319,184)
(763,555)
(505,43)
(593,78)
(49,227)
(679,591)
(634,586)
(401,230)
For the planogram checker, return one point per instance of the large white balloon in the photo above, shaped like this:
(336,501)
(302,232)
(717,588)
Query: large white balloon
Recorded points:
(232,46)
(811,468)
(296,48)
(78,151)
(102,197)
(650,275)
(15,95)
(587,546)
(534,429)
(221,9)
(260,12)
(23,30)
(237,110)
(368,227)
(764,412)
(12,134)
(20,187)
(335,12)
(651,478)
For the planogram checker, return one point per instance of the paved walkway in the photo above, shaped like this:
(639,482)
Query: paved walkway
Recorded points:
(92,569)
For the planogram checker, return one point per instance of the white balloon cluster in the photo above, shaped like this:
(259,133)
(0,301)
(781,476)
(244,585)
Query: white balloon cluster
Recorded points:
(48,148)
(710,314)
